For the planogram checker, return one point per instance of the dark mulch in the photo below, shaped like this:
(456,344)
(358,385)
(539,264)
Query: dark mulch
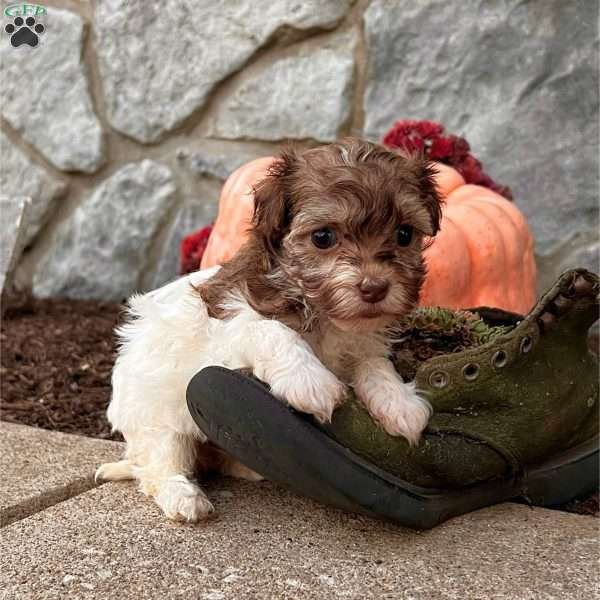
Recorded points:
(57,357)
(586,506)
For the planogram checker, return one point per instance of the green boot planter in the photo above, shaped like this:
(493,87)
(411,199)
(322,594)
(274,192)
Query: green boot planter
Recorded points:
(515,404)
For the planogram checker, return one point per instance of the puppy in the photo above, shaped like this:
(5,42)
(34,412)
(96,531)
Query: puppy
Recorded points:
(334,258)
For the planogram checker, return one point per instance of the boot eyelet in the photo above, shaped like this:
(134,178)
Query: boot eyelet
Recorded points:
(499,359)
(439,379)
(526,344)
(471,372)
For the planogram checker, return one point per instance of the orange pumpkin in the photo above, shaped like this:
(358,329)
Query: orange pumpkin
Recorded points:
(482,256)
(236,206)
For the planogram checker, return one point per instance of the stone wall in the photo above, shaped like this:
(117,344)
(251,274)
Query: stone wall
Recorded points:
(123,122)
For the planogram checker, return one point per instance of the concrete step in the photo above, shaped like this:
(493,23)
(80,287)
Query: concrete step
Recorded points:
(112,542)
(39,468)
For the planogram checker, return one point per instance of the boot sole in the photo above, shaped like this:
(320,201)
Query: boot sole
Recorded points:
(244,419)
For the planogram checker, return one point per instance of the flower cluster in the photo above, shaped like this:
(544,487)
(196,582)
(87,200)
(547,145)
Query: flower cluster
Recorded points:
(429,138)
(191,250)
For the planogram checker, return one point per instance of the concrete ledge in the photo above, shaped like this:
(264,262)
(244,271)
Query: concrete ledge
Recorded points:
(111,542)
(40,468)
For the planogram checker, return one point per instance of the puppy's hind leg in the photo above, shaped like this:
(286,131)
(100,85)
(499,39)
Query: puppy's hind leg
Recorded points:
(212,458)
(136,453)
(168,477)
(115,471)
(234,468)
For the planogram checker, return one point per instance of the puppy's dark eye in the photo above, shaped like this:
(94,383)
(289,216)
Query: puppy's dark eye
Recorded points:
(323,238)
(404,234)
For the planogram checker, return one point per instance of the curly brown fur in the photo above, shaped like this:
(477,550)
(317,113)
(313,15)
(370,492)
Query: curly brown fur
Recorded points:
(362,192)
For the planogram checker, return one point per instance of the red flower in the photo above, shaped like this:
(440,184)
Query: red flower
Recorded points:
(427,137)
(441,148)
(461,149)
(470,169)
(191,250)
(427,129)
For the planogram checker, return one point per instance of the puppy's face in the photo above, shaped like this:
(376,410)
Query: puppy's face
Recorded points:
(345,224)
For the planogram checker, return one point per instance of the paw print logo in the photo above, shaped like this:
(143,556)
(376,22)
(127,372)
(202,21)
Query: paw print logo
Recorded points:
(24,31)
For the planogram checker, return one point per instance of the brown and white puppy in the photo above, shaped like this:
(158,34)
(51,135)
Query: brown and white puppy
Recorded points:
(334,258)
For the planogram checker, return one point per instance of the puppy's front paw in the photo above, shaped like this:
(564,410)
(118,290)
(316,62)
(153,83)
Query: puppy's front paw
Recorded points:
(182,500)
(399,409)
(310,389)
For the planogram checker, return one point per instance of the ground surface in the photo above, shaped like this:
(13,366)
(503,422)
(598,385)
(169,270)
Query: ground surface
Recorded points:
(57,357)
(64,536)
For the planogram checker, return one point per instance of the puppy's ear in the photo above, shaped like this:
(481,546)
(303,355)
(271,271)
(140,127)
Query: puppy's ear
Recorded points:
(425,172)
(272,202)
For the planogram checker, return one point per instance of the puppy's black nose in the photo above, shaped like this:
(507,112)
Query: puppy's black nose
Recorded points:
(374,290)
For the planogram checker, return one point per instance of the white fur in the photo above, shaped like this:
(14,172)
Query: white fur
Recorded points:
(395,404)
(168,338)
